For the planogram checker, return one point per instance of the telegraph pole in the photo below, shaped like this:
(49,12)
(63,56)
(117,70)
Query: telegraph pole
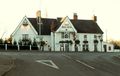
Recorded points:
(39,22)
(38,14)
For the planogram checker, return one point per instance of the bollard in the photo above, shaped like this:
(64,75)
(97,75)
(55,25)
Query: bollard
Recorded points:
(5,46)
(30,47)
(18,47)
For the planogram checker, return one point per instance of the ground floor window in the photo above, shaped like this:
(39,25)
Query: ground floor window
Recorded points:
(76,47)
(95,48)
(85,47)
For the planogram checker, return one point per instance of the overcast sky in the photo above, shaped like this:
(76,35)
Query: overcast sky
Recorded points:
(107,12)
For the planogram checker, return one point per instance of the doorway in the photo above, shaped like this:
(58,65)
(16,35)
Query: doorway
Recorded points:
(105,48)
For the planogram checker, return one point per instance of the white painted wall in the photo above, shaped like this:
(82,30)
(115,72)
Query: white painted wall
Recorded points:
(90,39)
(108,46)
(80,36)
(66,26)
(47,39)
(57,39)
(24,30)
(54,38)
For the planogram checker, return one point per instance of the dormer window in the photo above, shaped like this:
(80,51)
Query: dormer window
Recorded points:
(25,23)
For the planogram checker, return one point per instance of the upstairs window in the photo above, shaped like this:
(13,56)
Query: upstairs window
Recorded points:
(95,37)
(65,35)
(85,37)
(25,36)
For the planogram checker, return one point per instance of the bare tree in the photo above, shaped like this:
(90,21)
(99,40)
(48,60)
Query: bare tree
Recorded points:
(116,44)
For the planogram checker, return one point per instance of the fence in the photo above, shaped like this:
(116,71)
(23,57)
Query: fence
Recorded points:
(17,47)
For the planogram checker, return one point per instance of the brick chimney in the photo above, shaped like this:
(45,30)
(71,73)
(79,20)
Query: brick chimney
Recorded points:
(94,18)
(75,17)
(39,22)
(38,16)
(38,13)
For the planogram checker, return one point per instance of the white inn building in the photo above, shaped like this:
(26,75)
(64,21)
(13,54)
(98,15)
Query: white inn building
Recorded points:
(62,34)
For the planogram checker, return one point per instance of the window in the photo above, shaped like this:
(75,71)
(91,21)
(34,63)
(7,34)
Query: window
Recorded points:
(65,35)
(87,47)
(83,47)
(25,36)
(95,37)
(85,37)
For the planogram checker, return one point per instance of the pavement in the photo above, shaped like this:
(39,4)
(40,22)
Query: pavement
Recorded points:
(63,64)
(6,64)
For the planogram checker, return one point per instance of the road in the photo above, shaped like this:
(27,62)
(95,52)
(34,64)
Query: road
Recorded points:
(64,64)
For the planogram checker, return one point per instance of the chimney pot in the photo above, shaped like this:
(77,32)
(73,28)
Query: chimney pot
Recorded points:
(75,17)
(38,13)
(94,18)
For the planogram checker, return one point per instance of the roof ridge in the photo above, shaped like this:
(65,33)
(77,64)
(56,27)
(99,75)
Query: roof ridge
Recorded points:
(41,18)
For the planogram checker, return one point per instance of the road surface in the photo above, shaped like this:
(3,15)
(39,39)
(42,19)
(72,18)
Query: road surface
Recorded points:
(64,64)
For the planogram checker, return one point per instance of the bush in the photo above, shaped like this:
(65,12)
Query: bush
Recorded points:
(2,46)
(24,47)
(1,41)
(115,43)
(77,41)
(5,42)
(12,47)
(34,43)
(14,43)
(20,42)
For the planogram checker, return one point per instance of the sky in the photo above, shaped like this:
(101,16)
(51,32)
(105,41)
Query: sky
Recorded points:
(107,12)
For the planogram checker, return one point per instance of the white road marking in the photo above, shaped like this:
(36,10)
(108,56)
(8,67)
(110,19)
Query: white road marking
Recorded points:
(85,64)
(67,56)
(81,62)
(46,62)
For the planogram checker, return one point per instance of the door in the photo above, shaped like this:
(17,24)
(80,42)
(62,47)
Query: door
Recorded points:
(105,48)
(76,48)
(66,46)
